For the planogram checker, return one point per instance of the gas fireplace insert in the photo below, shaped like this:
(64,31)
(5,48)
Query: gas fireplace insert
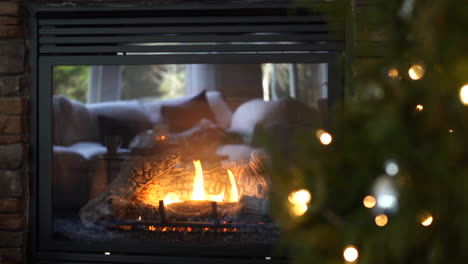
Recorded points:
(146,123)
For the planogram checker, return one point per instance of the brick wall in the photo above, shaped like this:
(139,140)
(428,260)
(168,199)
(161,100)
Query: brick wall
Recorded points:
(13,158)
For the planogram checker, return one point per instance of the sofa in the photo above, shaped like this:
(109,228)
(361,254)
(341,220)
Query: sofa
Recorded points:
(79,131)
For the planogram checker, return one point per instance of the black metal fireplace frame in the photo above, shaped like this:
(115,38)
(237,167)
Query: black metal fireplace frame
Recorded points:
(307,48)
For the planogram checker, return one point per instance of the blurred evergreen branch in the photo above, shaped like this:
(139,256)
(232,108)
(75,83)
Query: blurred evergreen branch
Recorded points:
(380,122)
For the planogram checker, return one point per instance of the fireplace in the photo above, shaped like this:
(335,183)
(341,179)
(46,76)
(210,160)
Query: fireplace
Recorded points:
(150,121)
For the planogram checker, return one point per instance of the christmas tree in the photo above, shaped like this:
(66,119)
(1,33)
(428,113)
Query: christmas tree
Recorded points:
(388,182)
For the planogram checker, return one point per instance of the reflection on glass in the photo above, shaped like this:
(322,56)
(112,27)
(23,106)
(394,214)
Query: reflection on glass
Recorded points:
(169,152)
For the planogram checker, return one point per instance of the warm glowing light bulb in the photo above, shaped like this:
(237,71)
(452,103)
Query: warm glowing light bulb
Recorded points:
(450,130)
(325,138)
(426,219)
(381,220)
(464,94)
(393,73)
(369,201)
(350,254)
(420,107)
(299,209)
(302,196)
(416,72)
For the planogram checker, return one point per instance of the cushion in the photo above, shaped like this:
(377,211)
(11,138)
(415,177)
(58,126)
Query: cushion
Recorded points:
(72,122)
(221,110)
(153,110)
(247,115)
(270,115)
(124,118)
(184,114)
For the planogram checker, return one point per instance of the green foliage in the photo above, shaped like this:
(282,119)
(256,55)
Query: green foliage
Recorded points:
(380,122)
(71,81)
(156,81)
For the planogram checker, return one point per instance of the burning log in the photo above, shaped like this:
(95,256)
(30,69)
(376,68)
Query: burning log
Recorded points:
(134,175)
(154,189)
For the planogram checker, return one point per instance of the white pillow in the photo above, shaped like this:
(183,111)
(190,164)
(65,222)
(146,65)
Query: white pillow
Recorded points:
(221,110)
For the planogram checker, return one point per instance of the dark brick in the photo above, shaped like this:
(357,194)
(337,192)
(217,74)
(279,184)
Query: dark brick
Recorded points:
(10,183)
(8,8)
(11,156)
(5,20)
(12,254)
(12,31)
(11,239)
(11,221)
(11,139)
(10,205)
(12,105)
(11,55)
(11,85)
(12,124)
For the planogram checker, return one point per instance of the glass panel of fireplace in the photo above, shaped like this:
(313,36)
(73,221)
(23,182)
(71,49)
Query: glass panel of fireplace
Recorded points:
(105,82)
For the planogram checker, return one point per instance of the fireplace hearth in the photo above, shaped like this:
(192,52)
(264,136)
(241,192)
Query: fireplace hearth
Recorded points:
(150,122)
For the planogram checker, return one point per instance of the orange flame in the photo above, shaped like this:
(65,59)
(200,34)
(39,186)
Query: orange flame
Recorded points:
(234,197)
(199,193)
(171,198)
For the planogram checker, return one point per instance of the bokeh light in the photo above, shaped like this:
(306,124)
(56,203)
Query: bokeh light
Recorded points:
(386,201)
(325,138)
(350,254)
(381,220)
(391,168)
(299,209)
(416,72)
(302,196)
(369,201)
(464,94)
(420,107)
(426,218)
(393,73)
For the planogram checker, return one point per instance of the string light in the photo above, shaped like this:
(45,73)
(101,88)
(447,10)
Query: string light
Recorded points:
(426,218)
(416,72)
(299,200)
(393,73)
(324,137)
(450,130)
(301,196)
(464,94)
(381,220)
(369,201)
(350,254)
(299,209)
(420,107)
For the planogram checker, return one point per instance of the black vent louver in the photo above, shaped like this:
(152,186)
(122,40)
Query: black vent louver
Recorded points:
(136,32)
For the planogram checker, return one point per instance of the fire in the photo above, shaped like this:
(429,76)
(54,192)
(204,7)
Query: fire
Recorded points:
(234,197)
(199,193)
(171,198)
(198,183)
